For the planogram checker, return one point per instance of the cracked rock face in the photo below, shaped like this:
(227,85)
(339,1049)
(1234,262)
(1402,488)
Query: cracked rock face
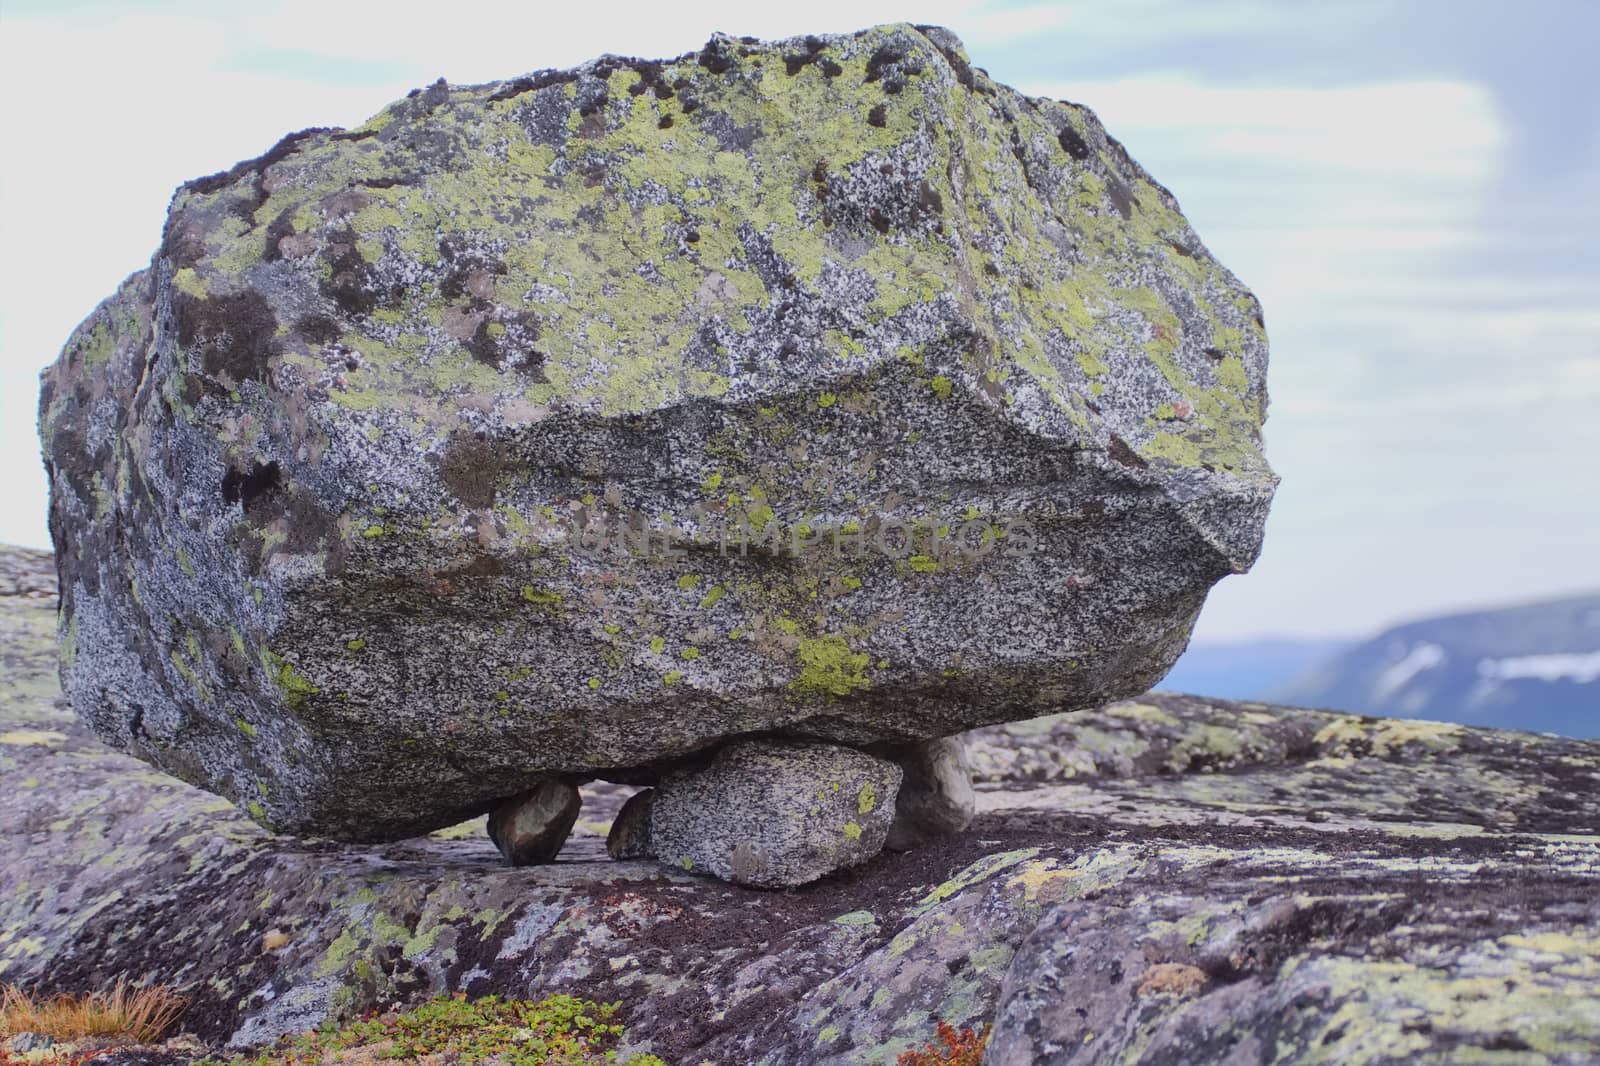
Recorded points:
(976,410)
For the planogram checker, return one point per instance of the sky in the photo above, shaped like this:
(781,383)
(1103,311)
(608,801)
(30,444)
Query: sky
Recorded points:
(1411,188)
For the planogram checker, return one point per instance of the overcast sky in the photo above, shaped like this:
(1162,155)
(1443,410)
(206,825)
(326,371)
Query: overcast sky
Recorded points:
(1411,188)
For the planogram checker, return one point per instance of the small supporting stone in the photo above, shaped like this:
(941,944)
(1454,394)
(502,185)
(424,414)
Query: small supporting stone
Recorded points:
(630,833)
(936,797)
(530,828)
(775,814)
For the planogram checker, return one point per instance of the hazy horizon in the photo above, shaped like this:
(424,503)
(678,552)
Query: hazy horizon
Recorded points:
(1408,188)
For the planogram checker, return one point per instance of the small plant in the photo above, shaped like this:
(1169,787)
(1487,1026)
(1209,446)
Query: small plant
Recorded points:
(126,1014)
(951,1047)
(557,1031)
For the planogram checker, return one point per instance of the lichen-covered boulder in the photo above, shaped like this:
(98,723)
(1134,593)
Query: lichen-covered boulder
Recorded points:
(571,424)
(775,814)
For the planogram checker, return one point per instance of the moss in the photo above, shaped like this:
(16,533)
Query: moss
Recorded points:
(941,386)
(828,667)
(559,1029)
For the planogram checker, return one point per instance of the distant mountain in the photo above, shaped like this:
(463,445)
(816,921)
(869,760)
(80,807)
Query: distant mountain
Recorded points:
(1248,670)
(1534,667)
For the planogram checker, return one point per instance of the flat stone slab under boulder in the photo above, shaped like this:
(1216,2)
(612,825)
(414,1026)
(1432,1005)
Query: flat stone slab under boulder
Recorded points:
(1205,880)
(573,424)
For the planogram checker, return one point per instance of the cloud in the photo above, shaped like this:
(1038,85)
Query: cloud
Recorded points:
(1437,130)
(115,114)
(477,41)
(1433,378)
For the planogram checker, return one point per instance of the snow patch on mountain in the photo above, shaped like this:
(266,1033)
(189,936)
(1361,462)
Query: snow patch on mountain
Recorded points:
(1395,677)
(1582,668)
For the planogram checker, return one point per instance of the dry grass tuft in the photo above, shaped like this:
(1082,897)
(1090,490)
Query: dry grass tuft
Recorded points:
(1171,979)
(126,1013)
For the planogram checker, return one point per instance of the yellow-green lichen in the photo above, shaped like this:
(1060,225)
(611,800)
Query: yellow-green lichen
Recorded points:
(296,690)
(543,599)
(828,667)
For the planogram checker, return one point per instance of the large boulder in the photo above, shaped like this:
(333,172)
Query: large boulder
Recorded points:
(571,424)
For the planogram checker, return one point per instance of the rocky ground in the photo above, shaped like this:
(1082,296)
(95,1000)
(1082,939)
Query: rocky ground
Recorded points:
(1171,880)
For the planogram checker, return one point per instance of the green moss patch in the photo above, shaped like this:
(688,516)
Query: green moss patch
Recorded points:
(559,1029)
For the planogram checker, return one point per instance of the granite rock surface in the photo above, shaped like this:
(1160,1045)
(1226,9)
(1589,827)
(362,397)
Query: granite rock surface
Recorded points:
(1209,882)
